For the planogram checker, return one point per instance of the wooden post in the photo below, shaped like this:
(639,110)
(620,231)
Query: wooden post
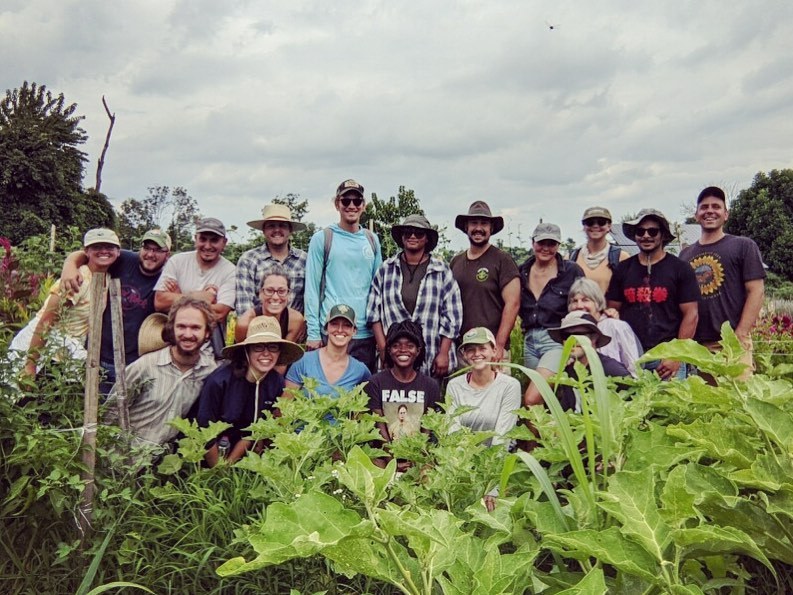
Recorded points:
(119,357)
(91,410)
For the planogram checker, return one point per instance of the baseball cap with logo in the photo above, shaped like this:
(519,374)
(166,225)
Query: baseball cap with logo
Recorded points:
(478,335)
(100,235)
(159,237)
(341,311)
(348,186)
(211,225)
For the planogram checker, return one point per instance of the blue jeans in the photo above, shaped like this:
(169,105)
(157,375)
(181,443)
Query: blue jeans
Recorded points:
(682,371)
(536,343)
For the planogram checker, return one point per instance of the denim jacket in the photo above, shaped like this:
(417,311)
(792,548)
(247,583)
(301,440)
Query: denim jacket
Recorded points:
(548,311)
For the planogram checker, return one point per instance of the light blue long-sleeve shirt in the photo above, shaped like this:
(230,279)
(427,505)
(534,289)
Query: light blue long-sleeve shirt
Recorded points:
(352,265)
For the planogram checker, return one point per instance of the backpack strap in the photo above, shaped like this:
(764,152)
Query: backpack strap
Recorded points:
(574,254)
(328,233)
(614,256)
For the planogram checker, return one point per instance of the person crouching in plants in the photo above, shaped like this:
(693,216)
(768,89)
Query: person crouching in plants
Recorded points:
(493,396)
(401,393)
(63,319)
(239,392)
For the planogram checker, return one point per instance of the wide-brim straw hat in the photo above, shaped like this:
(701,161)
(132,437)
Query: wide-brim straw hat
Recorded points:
(579,323)
(415,222)
(479,209)
(276,212)
(629,227)
(265,329)
(150,334)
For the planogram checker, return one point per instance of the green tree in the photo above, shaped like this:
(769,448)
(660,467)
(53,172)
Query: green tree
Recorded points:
(42,166)
(173,210)
(764,212)
(384,214)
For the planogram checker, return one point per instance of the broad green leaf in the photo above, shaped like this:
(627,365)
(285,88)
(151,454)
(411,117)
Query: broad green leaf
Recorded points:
(776,423)
(654,446)
(480,571)
(547,487)
(686,590)
(678,502)
(768,472)
(543,517)
(370,558)
(434,535)
(780,503)
(724,440)
(499,522)
(170,464)
(631,500)
(299,530)
(610,547)
(594,583)
(365,479)
(706,540)
(722,363)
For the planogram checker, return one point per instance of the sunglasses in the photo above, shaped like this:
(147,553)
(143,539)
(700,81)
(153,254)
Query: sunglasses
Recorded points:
(261,347)
(600,221)
(650,231)
(416,233)
(271,291)
(346,202)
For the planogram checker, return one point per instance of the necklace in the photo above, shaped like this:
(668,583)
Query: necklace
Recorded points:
(412,268)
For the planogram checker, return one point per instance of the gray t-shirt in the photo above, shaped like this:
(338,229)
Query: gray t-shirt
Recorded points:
(184,269)
(494,405)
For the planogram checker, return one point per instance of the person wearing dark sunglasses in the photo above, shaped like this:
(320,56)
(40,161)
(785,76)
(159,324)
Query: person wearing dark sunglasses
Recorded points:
(342,261)
(655,292)
(597,257)
(415,285)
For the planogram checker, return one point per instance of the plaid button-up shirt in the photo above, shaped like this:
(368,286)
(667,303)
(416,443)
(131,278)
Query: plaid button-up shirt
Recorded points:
(439,307)
(254,264)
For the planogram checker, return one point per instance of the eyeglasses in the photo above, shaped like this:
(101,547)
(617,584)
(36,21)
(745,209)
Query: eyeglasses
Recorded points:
(271,291)
(262,347)
(599,221)
(650,231)
(153,249)
(357,201)
(416,233)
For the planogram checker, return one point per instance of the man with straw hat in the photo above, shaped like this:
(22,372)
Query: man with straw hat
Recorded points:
(164,383)
(488,278)
(655,292)
(277,227)
(240,392)
(414,285)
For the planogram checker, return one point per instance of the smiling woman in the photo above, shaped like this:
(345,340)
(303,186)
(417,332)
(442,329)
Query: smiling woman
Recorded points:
(62,323)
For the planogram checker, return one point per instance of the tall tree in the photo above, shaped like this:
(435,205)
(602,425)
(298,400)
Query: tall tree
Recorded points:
(173,210)
(42,166)
(764,212)
(384,214)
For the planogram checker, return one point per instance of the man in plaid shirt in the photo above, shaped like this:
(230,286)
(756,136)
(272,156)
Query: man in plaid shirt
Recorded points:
(277,226)
(415,285)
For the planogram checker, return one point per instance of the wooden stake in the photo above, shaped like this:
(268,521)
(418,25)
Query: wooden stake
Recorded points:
(119,357)
(91,410)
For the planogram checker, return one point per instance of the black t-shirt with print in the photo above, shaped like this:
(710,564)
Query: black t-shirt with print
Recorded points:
(402,403)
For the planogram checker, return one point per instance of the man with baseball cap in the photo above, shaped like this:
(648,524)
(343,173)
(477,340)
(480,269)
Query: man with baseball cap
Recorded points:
(545,282)
(202,273)
(655,292)
(730,273)
(415,285)
(342,261)
(277,227)
(597,258)
(488,278)
(138,273)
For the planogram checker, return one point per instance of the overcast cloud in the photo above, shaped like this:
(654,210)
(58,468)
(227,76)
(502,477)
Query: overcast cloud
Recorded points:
(621,104)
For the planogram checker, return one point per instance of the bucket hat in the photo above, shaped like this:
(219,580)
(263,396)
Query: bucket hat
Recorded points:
(629,227)
(479,209)
(578,323)
(415,222)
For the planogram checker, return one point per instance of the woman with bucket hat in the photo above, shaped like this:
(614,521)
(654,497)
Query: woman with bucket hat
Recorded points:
(239,392)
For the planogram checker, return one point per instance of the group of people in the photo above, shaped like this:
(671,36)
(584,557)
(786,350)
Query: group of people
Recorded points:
(402,325)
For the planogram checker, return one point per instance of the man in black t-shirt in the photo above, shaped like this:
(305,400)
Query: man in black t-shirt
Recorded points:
(655,292)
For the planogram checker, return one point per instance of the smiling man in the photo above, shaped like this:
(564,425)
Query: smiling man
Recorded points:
(342,261)
(277,227)
(202,273)
(730,274)
(164,384)
(655,292)
(487,276)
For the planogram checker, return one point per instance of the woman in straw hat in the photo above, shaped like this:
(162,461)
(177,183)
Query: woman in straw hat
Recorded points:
(494,397)
(64,316)
(239,392)
(274,295)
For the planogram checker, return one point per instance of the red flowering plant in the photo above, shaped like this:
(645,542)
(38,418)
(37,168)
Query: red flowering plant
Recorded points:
(19,289)
(773,341)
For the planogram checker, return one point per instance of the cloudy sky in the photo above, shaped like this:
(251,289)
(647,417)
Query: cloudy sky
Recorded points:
(539,108)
